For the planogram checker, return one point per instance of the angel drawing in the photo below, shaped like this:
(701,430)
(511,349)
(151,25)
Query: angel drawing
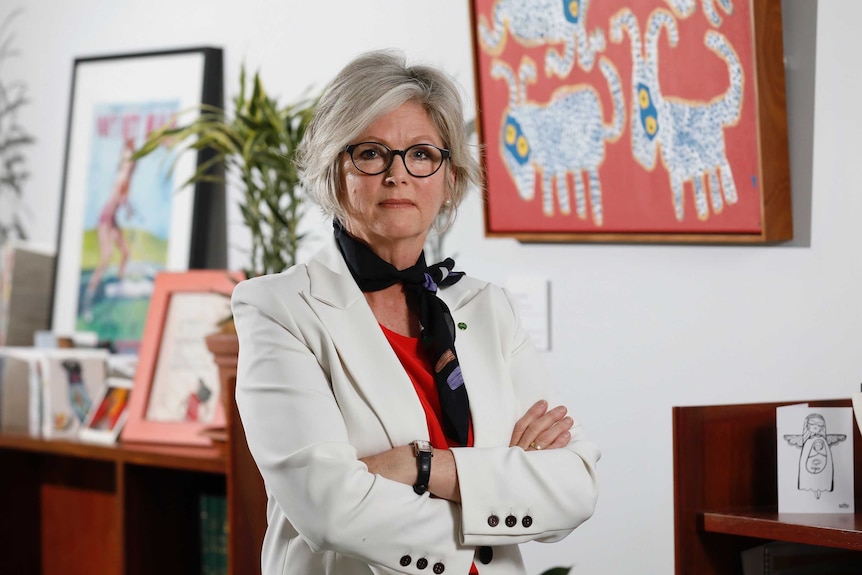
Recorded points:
(816,470)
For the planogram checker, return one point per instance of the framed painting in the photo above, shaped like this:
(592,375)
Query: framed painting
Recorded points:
(123,221)
(648,121)
(176,395)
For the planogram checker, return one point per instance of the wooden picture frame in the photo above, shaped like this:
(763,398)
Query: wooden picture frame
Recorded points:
(654,121)
(176,395)
(123,220)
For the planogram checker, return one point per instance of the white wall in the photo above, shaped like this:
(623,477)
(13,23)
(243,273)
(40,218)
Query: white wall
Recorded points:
(636,329)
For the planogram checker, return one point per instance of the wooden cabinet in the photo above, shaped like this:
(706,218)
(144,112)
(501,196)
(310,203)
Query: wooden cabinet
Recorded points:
(70,508)
(726,494)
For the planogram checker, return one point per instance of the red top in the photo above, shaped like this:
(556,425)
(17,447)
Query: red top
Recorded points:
(412,357)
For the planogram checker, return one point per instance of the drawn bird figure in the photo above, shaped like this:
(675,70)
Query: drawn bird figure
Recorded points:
(816,470)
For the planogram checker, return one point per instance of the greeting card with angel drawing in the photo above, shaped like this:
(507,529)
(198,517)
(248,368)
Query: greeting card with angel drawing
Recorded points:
(815,459)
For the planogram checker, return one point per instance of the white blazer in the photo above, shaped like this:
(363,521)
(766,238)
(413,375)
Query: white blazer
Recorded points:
(318,387)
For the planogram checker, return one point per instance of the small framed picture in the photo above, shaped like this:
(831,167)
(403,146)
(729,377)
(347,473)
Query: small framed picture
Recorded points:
(108,413)
(71,379)
(176,395)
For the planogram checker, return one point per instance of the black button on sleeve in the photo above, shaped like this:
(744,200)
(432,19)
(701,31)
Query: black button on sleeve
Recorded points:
(405,560)
(439,568)
(527,521)
(511,521)
(486,554)
(493,520)
(421,563)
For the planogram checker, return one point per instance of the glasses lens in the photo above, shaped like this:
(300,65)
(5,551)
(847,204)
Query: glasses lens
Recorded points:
(370,157)
(423,159)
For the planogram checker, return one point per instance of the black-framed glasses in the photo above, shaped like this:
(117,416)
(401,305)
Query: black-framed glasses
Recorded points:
(420,160)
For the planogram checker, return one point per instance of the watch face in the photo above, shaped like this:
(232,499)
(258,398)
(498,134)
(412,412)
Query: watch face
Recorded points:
(420,445)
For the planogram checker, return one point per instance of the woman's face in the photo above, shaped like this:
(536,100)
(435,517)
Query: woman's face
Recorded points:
(393,211)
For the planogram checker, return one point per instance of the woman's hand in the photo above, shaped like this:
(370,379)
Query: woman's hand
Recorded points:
(541,428)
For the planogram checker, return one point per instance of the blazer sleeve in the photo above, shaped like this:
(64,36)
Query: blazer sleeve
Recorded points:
(509,495)
(298,438)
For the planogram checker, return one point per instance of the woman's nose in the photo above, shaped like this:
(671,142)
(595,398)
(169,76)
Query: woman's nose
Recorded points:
(397,169)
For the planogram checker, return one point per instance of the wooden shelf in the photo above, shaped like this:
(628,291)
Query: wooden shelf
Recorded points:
(843,530)
(726,493)
(69,507)
(72,507)
(203,459)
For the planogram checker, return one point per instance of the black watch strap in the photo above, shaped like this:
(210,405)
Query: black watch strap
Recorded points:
(423,452)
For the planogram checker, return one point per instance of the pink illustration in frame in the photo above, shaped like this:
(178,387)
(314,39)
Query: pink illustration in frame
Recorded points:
(138,427)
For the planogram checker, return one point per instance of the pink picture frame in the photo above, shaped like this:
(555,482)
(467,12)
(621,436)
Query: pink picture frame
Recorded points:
(176,393)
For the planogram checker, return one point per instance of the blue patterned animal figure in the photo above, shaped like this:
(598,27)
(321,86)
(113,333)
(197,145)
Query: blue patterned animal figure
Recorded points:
(564,136)
(690,135)
(685,8)
(544,22)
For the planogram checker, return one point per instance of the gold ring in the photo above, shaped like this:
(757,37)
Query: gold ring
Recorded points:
(535,445)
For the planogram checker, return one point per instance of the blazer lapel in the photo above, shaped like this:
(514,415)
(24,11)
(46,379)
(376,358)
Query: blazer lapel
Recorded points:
(371,364)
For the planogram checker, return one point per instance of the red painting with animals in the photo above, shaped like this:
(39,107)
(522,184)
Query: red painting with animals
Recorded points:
(601,119)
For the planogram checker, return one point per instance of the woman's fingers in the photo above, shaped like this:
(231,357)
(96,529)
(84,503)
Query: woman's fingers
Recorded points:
(541,428)
(557,435)
(537,410)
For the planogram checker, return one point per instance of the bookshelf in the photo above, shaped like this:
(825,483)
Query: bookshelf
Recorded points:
(725,492)
(69,507)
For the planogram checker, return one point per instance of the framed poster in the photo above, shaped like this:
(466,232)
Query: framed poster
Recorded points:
(176,394)
(123,221)
(649,121)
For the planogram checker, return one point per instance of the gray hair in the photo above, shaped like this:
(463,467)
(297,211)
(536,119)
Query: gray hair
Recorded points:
(370,86)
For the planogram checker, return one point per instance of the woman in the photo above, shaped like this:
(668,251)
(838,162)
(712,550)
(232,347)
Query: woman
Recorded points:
(108,230)
(349,365)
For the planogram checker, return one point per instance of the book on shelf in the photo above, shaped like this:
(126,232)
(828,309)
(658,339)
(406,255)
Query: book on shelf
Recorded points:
(213,534)
(20,391)
(26,290)
(786,558)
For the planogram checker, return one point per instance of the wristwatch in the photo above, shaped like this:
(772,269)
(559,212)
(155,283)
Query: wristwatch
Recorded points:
(424,452)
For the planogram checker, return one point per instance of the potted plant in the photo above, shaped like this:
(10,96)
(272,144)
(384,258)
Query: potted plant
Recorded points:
(13,140)
(258,145)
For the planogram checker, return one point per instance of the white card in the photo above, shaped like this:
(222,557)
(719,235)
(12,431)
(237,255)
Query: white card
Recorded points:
(532,297)
(815,459)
